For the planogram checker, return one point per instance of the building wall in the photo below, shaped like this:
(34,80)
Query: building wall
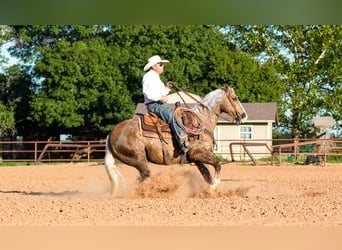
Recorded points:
(173,98)
(225,134)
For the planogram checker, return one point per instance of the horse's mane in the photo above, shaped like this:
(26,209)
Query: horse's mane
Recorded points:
(209,102)
(213,98)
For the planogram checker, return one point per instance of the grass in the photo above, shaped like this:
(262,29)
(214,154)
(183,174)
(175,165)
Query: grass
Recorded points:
(285,159)
(334,159)
(15,163)
(31,163)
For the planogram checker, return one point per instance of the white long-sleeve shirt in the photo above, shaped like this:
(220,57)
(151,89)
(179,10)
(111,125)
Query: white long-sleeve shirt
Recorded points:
(153,88)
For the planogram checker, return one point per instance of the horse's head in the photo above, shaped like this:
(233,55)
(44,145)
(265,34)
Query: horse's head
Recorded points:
(231,105)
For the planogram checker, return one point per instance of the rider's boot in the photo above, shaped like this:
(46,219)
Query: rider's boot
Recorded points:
(184,143)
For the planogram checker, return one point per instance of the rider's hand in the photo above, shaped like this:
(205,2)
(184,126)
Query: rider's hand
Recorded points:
(164,98)
(169,84)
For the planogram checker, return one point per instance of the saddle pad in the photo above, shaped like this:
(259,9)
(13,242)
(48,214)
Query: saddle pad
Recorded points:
(149,132)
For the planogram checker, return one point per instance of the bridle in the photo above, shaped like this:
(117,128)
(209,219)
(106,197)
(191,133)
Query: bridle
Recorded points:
(176,88)
(232,100)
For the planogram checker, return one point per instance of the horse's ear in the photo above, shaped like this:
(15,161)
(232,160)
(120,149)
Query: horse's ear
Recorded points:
(225,86)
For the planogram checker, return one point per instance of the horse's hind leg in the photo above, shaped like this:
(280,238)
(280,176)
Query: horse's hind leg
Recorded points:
(140,163)
(143,169)
(114,175)
(138,160)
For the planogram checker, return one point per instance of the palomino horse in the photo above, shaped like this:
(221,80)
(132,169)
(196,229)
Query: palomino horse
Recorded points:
(127,144)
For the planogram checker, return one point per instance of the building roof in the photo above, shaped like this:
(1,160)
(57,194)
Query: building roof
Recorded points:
(324,122)
(257,112)
(261,111)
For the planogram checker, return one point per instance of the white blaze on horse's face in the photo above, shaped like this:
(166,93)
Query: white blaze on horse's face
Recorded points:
(236,110)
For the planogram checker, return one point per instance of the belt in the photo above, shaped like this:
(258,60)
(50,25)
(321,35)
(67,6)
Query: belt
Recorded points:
(152,102)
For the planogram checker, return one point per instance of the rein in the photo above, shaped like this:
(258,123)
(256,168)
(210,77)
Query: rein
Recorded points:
(176,88)
(211,134)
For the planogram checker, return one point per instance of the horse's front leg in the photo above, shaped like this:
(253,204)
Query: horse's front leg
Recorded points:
(217,178)
(206,158)
(205,172)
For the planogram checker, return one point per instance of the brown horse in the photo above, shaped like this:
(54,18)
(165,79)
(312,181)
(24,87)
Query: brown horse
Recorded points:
(127,144)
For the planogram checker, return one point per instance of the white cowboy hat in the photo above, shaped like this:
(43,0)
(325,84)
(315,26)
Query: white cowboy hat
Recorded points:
(152,61)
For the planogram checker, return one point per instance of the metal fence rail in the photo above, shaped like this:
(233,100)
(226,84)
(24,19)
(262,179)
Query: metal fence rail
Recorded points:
(321,148)
(50,151)
(235,150)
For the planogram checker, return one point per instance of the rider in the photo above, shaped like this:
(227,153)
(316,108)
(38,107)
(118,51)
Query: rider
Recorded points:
(155,98)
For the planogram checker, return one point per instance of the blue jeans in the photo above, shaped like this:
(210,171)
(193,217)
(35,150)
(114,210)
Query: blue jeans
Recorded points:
(163,110)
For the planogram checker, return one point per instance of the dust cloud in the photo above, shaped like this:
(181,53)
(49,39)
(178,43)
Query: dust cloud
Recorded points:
(180,184)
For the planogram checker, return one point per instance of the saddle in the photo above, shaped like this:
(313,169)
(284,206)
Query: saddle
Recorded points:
(151,122)
(153,126)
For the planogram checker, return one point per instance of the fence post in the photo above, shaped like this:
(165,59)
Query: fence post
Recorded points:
(35,151)
(88,151)
(325,151)
(296,148)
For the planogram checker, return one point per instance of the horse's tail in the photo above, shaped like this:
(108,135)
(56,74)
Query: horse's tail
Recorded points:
(114,175)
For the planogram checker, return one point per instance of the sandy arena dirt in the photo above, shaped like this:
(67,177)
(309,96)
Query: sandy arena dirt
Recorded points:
(78,194)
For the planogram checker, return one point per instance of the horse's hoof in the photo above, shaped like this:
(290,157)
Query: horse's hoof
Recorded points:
(113,194)
(213,186)
(215,183)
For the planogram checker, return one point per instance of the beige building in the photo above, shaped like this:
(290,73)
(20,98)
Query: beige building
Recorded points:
(257,128)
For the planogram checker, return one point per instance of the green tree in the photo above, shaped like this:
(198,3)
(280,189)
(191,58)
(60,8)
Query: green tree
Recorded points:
(7,120)
(253,82)
(307,59)
(19,91)
(200,60)
(88,78)
(82,87)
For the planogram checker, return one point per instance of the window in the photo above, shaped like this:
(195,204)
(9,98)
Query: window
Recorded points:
(245,132)
(65,137)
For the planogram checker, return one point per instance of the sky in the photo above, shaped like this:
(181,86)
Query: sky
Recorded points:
(4,52)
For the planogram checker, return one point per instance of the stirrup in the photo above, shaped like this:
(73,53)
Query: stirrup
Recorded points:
(184,145)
